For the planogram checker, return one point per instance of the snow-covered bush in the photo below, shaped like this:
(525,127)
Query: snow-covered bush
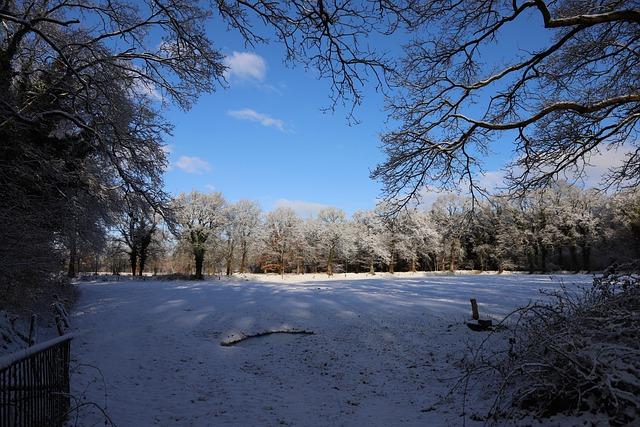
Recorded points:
(574,354)
(10,339)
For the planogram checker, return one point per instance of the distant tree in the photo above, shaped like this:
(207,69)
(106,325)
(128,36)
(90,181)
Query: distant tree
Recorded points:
(368,238)
(229,232)
(248,221)
(421,237)
(137,225)
(282,236)
(450,214)
(199,218)
(331,226)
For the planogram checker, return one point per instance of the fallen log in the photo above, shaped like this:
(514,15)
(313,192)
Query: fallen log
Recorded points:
(233,340)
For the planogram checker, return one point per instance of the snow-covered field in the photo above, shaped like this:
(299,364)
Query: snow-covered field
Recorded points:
(383,352)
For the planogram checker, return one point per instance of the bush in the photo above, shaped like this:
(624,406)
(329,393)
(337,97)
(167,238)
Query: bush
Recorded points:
(573,354)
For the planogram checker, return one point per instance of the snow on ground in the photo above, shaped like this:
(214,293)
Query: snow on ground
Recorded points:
(383,352)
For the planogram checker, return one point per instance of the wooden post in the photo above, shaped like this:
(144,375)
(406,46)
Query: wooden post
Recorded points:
(474,309)
(59,326)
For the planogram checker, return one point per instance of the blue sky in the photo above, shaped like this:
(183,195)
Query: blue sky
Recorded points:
(265,137)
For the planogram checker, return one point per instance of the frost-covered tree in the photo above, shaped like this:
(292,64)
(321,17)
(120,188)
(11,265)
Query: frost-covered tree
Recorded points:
(421,239)
(312,251)
(450,214)
(331,228)
(282,238)
(229,235)
(199,219)
(248,221)
(370,247)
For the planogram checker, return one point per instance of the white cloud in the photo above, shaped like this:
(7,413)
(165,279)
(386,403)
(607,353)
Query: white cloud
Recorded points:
(194,165)
(302,208)
(427,197)
(492,181)
(245,66)
(254,116)
(601,162)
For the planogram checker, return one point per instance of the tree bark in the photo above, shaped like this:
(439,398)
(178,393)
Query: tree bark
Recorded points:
(243,260)
(141,262)
(133,261)
(452,265)
(199,259)
(230,258)
(73,249)
(573,251)
(586,258)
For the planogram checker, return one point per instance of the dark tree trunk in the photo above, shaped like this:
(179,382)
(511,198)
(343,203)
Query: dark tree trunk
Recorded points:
(73,249)
(586,258)
(282,263)
(531,256)
(229,265)
(199,259)
(573,251)
(543,258)
(133,261)
(142,260)
(243,260)
(452,266)
(330,263)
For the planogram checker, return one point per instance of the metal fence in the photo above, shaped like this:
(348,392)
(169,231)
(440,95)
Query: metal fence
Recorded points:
(34,385)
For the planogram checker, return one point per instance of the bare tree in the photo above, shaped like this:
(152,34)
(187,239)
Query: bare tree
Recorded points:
(137,225)
(78,114)
(199,217)
(575,95)
(331,222)
(248,221)
(282,236)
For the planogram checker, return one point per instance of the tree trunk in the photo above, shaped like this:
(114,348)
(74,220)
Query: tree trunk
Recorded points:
(543,258)
(573,250)
(586,258)
(73,249)
(282,264)
(230,258)
(199,259)
(413,264)
(452,266)
(243,260)
(372,269)
(330,263)
(133,261)
(141,262)
(561,261)
(532,254)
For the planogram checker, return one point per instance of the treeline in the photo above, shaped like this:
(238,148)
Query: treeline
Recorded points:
(560,228)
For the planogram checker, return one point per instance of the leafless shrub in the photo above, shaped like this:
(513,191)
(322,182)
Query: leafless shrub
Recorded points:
(573,354)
